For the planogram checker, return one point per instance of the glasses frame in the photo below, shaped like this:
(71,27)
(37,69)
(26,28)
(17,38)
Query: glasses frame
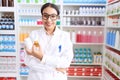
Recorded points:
(49,16)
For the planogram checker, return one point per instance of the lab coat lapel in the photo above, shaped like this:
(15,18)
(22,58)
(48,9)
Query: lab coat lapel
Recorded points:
(54,42)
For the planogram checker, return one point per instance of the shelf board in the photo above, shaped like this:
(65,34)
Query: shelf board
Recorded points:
(8,53)
(87,64)
(101,44)
(23,75)
(87,15)
(112,47)
(105,76)
(115,14)
(31,26)
(112,2)
(115,27)
(8,74)
(7,9)
(29,14)
(83,4)
(7,31)
(84,26)
(84,77)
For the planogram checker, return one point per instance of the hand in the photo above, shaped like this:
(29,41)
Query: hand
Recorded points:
(35,51)
(29,51)
(62,70)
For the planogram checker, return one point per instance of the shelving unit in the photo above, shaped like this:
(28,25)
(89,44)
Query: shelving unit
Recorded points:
(112,51)
(8,42)
(81,20)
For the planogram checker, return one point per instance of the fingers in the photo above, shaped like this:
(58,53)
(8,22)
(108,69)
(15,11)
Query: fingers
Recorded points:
(63,70)
(29,51)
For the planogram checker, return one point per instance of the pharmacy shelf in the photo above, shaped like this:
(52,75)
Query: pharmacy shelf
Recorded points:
(8,53)
(112,2)
(113,27)
(7,9)
(84,4)
(30,26)
(34,4)
(115,14)
(106,76)
(111,71)
(82,26)
(8,74)
(86,15)
(84,77)
(87,64)
(112,47)
(97,44)
(30,14)
(7,31)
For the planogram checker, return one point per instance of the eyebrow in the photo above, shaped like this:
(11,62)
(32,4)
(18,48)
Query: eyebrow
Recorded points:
(50,14)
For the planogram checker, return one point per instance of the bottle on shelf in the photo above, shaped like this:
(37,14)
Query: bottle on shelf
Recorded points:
(89,37)
(94,37)
(100,37)
(117,37)
(78,37)
(73,36)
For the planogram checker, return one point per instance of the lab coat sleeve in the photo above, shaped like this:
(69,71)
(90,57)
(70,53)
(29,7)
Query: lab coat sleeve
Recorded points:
(31,61)
(65,59)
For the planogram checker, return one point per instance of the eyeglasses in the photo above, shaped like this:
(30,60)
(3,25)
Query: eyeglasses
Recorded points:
(45,16)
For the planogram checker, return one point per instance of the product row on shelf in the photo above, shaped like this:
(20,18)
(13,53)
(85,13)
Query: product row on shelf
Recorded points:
(82,36)
(83,21)
(7,43)
(87,56)
(6,3)
(7,21)
(84,71)
(8,78)
(113,38)
(87,36)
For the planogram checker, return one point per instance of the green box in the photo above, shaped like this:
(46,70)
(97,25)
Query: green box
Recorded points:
(19,1)
(58,22)
(53,1)
(44,1)
(27,1)
(36,1)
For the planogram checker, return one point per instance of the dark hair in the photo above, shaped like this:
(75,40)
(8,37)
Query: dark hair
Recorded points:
(50,5)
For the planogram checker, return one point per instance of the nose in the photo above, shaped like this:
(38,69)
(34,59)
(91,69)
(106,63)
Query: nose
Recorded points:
(49,19)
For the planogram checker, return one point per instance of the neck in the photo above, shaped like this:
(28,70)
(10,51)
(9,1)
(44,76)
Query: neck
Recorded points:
(50,31)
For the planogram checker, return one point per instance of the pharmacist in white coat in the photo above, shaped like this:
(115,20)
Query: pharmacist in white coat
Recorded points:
(52,56)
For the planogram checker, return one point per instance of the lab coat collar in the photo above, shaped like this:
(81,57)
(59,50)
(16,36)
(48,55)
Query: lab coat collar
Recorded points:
(56,32)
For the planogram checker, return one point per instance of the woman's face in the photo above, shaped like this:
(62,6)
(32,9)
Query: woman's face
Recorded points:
(49,17)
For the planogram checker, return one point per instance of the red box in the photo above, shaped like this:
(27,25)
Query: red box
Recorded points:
(79,74)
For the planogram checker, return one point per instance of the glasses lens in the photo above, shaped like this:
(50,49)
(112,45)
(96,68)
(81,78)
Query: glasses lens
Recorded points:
(52,16)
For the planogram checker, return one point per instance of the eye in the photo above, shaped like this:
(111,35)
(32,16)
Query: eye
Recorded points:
(53,16)
(45,15)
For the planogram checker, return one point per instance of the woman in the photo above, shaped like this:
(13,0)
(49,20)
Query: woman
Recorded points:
(49,50)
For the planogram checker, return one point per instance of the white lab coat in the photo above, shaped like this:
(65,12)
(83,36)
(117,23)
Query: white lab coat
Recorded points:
(58,53)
